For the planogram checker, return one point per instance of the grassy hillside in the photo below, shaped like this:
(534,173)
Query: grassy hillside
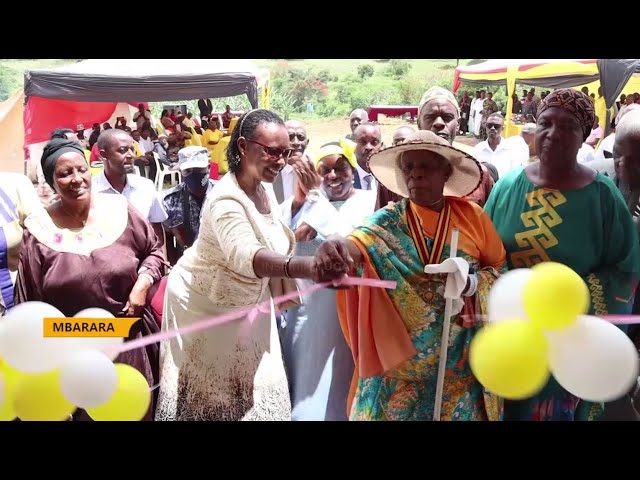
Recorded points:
(12,73)
(333,87)
(342,66)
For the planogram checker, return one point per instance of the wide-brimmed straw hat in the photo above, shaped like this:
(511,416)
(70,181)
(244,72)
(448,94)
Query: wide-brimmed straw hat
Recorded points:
(466,176)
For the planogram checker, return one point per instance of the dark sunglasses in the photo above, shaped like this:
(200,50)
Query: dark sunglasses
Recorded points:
(274,152)
(497,126)
(338,168)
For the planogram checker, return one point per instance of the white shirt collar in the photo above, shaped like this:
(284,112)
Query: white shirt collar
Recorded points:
(361,171)
(101,183)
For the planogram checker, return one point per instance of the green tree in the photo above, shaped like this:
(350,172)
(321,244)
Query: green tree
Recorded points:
(398,68)
(7,82)
(365,71)
(282,103)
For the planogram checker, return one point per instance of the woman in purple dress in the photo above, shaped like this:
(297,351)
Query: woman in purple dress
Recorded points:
(89,250)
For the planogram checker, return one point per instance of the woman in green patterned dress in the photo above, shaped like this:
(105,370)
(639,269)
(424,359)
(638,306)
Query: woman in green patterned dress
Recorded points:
(559,210)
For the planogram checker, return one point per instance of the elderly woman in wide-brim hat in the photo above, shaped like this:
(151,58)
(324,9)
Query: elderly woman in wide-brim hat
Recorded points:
(559,210)
(395,335)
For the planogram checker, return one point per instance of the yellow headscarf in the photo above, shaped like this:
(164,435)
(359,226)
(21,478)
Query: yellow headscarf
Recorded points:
(346,148)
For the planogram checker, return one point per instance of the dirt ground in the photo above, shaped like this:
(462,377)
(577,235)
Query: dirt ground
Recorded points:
(321,131)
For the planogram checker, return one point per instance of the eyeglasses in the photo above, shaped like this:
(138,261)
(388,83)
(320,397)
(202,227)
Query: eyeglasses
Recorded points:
(274,152)
(497,126)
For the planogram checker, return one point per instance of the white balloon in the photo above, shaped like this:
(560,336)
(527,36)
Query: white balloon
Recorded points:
(95,343)
(22,343)
(88,379)
(593,359)
(94,313)
(505,296)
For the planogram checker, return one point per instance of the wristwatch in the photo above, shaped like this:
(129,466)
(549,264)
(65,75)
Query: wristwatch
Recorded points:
(314,195)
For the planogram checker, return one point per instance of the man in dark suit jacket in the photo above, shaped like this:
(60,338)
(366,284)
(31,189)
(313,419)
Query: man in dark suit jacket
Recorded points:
(205,106)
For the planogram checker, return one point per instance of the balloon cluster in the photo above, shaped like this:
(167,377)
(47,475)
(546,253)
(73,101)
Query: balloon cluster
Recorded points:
(538,327)
(47,378)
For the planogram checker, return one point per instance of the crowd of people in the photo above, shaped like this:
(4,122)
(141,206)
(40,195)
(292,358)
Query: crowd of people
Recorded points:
(280,217)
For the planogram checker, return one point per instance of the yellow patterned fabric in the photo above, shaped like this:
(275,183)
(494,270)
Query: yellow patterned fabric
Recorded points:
(588,229)
(540,222)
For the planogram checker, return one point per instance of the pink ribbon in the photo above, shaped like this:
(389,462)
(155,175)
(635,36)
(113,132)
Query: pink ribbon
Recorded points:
(621,319)
(468,320)
(251,312)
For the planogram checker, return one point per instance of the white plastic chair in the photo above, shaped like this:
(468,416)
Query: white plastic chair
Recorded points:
(163,171)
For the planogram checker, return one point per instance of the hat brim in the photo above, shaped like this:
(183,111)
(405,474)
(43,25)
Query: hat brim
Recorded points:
(466,176)
(194,164)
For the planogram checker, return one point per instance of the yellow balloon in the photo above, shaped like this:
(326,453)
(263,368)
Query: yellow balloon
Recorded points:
(11,377)
(510,359)
(38,397)
(131,399)
(554,296)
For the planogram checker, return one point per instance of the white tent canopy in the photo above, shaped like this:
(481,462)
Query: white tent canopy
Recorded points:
(145,80)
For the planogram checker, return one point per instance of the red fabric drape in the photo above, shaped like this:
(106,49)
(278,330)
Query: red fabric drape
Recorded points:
(43,115)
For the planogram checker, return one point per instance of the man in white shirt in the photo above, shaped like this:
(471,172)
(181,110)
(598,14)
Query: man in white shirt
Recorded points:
(116,148)
(368,140)
(145,143)
(141,117)
(503,155)
(527,140)
(603,157)
(478,108)
(586,154)
(285,183)
(629,100)
(145,162)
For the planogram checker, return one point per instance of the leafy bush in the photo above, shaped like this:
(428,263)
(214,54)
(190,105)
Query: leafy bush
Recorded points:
(282,103)
(365,71)
(398,68)
(410,90)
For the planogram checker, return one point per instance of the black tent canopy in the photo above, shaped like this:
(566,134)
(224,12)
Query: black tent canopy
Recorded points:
(129,80)
(614,75)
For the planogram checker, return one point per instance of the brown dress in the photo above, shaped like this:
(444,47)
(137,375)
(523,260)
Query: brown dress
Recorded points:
(96,266)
